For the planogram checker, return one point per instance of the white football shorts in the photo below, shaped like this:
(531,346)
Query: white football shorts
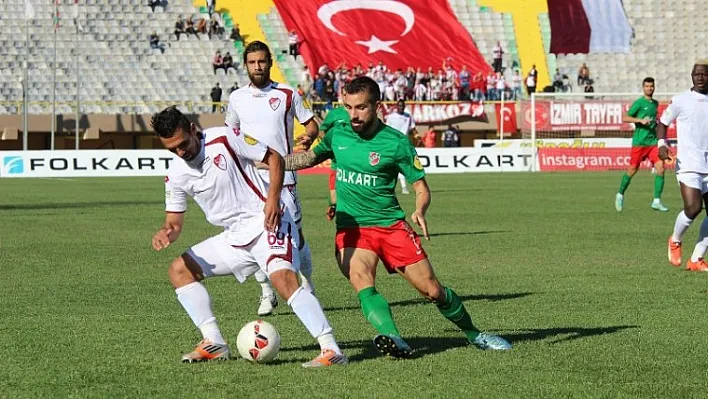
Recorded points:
(695,180)
(269,252)
(291,200)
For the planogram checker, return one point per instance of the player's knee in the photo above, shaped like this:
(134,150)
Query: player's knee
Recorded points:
(285,282)
(360,278)
(632,171)
(693,210)
(433,291)
(179,273)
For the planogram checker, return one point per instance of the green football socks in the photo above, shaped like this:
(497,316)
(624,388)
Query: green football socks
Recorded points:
(455,311)
(658,186)
(377,311)
(625,183)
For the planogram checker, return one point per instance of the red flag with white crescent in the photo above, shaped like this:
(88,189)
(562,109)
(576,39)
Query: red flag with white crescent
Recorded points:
(417,33)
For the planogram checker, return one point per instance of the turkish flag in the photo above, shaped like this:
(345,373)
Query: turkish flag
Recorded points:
(508,116)
(417,33)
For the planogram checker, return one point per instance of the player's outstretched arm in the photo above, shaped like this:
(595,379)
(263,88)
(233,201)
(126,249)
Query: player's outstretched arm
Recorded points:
(422,202)
(169,232)
(304,160)
(276,172)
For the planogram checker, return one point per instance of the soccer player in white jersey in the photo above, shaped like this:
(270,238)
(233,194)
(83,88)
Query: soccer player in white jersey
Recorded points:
(404,123)
(690,111)
(266,110)
(217,169)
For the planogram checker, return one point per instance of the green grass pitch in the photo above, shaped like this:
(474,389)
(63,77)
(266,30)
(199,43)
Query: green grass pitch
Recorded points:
(585,294)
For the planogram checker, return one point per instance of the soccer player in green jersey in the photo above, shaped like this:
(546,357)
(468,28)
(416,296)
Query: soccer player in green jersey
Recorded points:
(371,225)
(644,145)
(338,114)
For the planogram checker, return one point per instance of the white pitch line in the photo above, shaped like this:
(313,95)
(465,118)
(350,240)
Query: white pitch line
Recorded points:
(57,178)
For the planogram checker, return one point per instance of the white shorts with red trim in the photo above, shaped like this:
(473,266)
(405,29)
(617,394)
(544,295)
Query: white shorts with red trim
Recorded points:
(269,252)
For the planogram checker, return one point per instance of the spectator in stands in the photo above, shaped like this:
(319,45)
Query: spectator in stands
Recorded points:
(429,137)
(420,91)
(228,61)
(498,54)
(293,43)
(154,3)
(477,87)
(202,26)
(531,80)
(558,80)
(215,28)
(233,88)
(236,34)
(500,86)
(450,137)
(491,87)
(191,30)
(583,74)
(179,26)
(464,77)
(155,42)
(306,80)
(216,98)
(516,85)
(589,89)
(218,62)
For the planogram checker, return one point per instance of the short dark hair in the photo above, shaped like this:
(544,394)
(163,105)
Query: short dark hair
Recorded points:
(256,46)
(648,79)
(168,121)
(401,101)
(364,84)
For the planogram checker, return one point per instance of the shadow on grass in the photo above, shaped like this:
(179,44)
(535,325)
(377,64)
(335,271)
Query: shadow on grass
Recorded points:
(430,345)
(75,205)
(563,334)
(421,345)
(470,233)
(422,301)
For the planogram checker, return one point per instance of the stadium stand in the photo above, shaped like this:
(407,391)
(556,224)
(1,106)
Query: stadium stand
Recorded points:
(117,63)
(122,74)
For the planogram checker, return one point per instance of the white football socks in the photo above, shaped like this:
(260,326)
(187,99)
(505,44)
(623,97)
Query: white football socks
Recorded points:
(310,313)
(682,224)
(702,244)
(196,301)
(266,288)
(306,268)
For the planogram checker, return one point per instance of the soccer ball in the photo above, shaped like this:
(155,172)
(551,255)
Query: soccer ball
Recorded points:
(258,342)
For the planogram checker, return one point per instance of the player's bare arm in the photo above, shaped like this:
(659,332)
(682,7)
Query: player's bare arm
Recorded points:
(312,131)
(626,118)
(276,174)
(422,202)
(303,160)
(169,232)
(664,153)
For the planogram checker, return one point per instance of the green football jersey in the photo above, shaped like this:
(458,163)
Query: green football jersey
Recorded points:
(644,135)
(338,114)
(367,172)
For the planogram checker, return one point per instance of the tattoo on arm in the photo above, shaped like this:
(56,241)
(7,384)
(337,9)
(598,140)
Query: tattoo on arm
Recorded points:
(302,160)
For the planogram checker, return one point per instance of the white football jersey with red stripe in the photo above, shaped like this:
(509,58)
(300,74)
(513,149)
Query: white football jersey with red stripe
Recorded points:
(224,182)
(268,115)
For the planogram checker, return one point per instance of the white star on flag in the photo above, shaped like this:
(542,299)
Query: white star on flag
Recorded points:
(375,44)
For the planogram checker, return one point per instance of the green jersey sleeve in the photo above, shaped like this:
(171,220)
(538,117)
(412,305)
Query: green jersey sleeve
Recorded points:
(408,163)
(634,109)
(325,146)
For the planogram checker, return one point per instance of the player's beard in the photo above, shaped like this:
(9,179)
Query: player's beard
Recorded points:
(259,80)
(364,128)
